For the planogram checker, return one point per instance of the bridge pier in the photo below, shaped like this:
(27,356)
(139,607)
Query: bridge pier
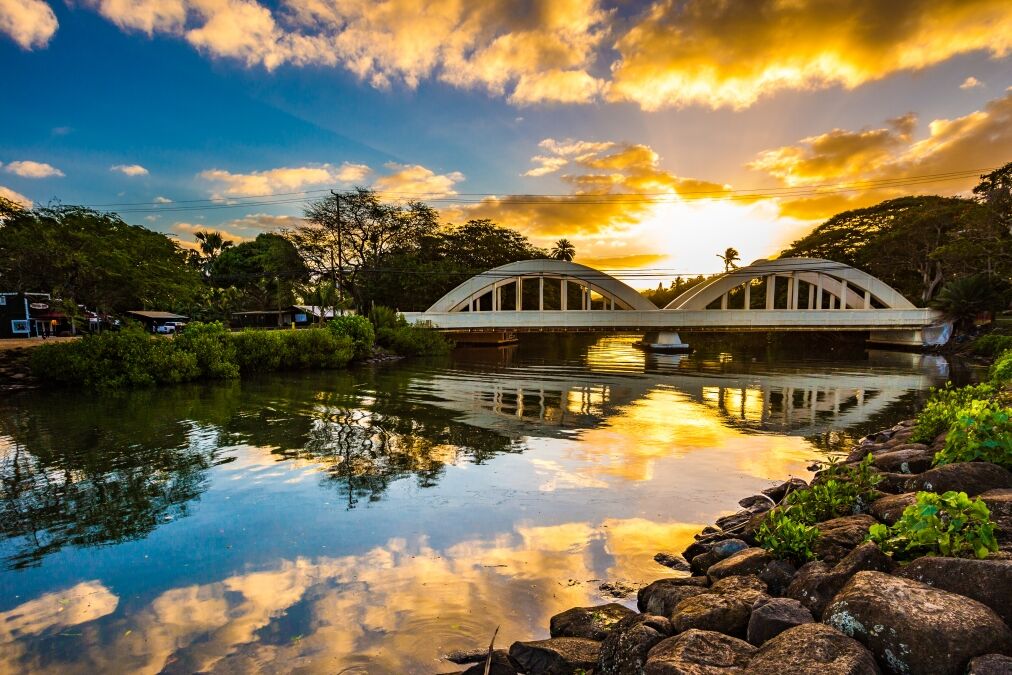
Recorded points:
(664,341)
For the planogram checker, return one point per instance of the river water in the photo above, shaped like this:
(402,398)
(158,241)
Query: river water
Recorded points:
(368,521)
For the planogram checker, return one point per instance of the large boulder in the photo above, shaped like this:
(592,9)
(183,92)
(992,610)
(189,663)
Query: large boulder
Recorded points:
(839,536)
(624,651)
(558,656)
(672,560)
(744,561)
(893,483)
(726,608)
(772,616)
(699,652)
(501,665)
(999,502)
(888,509)
(990,664)
(662,596)
(593,623)
(911,627)
(812,649)
(986,581)
(778,492)
(912,458)
(972,478)
(816,583)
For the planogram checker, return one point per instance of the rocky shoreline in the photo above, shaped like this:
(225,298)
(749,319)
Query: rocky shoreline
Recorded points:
(736,608)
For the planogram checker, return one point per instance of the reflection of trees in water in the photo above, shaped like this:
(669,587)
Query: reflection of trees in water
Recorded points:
(93,470)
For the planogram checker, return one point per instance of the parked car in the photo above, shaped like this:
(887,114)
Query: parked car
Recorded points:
(170,327)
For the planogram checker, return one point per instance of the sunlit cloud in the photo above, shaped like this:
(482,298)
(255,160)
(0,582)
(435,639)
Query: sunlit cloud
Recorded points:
(979,140)
(731,54)
(971,83)
(28,169)
(282,179)
(15,197)
(414,179)
(237,230)
(84,602)
(129,169)
(162,200)
(30,23)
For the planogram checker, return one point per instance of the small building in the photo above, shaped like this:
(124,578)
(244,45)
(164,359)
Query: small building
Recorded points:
(300,316)
(152,320)
(25,315)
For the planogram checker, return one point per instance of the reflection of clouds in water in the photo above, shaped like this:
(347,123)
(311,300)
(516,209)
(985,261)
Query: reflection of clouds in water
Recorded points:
(559,478)
(395,607)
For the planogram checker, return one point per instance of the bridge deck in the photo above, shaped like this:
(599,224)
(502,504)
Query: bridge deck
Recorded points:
(695,320)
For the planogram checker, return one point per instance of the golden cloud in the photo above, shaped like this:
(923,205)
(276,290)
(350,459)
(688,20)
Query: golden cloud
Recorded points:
(730,54)
(282,179)
(30,23)
(239,229)
(15,197)
(129,169)
(979,140)
(26,168)
(416,181)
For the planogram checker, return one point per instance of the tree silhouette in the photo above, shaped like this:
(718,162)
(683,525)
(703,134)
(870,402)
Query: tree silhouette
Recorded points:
(730,257)
(563,250)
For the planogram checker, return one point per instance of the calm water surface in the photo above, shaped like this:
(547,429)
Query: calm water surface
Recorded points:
(369,521)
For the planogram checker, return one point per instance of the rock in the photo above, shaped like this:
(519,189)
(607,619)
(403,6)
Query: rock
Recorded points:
(662,596)
(990,664)
(973,478)
(771,617)
(906,460)
(999,502)
(986,581)
(726,608)
(702,562)
(716,552)
(501,664)
(733,521)
(893,483)
(778,492)
(557,656)
(911,627)
(837,537)
(616,589)
(812,649)
(699,652)
(672,560)
(624,651)
(889,509)
(756,503)
(746,561)
(777,576)
(462,656)
(593,623)
(816,583)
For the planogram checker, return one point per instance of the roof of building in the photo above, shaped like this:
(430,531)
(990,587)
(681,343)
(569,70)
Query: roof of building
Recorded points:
(168,316)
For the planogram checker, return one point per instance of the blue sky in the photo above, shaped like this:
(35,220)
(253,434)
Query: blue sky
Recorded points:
(230,98)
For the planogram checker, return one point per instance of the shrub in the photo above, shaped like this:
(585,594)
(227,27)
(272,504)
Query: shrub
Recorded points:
(413,341)
(787,537)
(992,344)
(211,344)
(257,351)
(107,360)
(314,348)
(982,431)
(839,491)
(359,329)
(384,317)
(1001,369)
(942,408)
(949,524)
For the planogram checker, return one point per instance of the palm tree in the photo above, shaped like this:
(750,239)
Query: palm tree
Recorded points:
(211,243)
(564,250)
(730,257)
(961,300)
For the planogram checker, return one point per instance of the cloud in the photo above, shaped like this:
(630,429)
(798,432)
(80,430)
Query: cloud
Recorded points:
(30,23)
(29,169)
(976,141)
(732,53)
(130,169)
(162,200)
(15,197)
(547,165)
(971,83)
(238,229)
(416,180)
(282,179)
(624,262)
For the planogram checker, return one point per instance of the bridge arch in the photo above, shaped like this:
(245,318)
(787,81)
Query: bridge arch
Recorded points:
(540,285)
(826,282)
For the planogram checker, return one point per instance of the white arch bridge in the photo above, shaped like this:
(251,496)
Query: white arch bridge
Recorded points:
(790,294)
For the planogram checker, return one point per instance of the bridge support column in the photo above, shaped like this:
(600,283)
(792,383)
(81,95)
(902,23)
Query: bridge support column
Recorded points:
(665,341)
(771,289)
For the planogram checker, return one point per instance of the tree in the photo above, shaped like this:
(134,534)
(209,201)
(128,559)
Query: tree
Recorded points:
(211,246)
(730,257)
(563,250)
(266,270)
(995,192)
(961,300)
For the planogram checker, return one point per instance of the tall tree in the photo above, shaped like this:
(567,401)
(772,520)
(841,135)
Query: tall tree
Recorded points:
(995,192)
(730,258)
(267,270)
(563,250)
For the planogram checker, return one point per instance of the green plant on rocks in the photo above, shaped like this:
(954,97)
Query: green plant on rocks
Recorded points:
(992,344)
(840,491)
(786,537)
(982,431)
(942,409)
(949,524)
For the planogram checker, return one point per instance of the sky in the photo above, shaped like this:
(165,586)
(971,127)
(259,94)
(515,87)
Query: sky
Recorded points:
(653,135)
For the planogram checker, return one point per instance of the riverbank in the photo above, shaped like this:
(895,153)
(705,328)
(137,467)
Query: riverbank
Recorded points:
(896,559)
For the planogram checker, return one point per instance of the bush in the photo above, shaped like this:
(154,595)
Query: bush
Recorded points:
(384,317)
(314,348)
(108,360)
(394,333)
(942,408)
(257,351)
(992,344)
(949,524)
(359,329)
(787,537)
(211,344)
(982,431)
(839,491)
(1001,370)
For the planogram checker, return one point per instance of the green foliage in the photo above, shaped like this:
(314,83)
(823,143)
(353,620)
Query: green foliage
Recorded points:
(111,360)
(964,298)
(359,329)
(982,431)
(949,524)
(413,341)
(787,537)
(315,348)
(1001,370)
(265,271)
(943,407)
(992,344)
(384,317)
(211,344)
(839,491)
(258,351)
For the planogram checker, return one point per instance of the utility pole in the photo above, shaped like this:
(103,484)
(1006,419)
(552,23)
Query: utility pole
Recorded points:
(338,281)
